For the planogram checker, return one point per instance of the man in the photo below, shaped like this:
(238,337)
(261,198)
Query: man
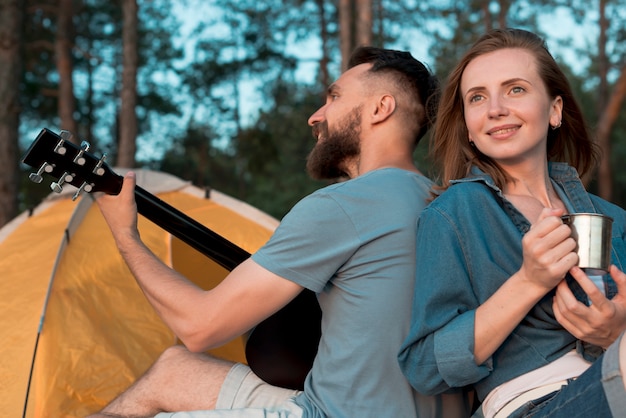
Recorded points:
(353,243)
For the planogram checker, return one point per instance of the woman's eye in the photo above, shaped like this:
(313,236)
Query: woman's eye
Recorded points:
(517,89)
(475,98)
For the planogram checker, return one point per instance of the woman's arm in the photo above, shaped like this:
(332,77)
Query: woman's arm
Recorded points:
(453,335)
(547,256)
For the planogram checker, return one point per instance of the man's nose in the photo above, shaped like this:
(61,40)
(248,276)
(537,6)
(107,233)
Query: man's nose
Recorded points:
(317,117)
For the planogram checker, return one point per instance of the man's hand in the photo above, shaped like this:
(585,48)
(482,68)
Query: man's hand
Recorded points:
(120,212)
(601,322)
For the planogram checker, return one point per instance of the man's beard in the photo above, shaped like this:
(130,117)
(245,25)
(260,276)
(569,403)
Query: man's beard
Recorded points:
(328,158)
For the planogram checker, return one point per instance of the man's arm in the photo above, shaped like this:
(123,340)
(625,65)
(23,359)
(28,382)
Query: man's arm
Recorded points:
(200,318)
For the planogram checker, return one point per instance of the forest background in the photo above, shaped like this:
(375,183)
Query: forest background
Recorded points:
(218,92)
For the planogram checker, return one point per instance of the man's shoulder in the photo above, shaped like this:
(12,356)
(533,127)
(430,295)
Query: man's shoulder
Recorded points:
(385,178)
(370,194)
(380,188)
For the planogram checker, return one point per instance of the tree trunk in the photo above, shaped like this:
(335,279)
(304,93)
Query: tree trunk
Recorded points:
(11,40)
(605,124)
(346,32)
(378,22)
(487,21)
(89,116)
(605,120)
(63,55)
(505,5)
(355,27)
(128,115)
(363,22)
(324,76)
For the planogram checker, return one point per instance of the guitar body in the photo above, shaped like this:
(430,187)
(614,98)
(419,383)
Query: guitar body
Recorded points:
(281,349)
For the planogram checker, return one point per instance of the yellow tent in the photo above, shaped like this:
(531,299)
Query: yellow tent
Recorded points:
(75,328)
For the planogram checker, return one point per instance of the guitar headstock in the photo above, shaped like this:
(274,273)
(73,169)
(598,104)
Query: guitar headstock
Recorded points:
(54,155)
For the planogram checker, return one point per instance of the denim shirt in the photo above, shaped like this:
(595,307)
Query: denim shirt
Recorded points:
(468,245)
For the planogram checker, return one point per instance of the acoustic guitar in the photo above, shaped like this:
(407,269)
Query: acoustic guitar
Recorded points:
(280,350)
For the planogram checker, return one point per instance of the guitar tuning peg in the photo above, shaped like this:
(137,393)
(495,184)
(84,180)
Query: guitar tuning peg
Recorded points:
(60,147)
(85,187)
(37,177)
(98,170)
(57,186)
(80,159)
(66,135)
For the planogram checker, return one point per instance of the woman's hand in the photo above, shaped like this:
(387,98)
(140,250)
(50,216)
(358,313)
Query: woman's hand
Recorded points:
(548,255)
(548,250)
(601,322)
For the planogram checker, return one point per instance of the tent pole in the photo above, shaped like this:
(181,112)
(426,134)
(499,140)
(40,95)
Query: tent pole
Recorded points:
(32,366)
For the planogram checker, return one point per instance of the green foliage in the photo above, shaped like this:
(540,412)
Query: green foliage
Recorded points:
(262,165)
(194,156)
(275,150)
(461,23)
(97,66)
(197,85)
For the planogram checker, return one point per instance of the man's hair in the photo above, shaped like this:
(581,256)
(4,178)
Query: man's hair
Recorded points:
(410,75)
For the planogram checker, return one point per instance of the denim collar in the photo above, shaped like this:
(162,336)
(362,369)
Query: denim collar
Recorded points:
(565,177)
(567,185)
(559,172)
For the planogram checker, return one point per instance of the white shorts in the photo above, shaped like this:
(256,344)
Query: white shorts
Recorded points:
(244,395)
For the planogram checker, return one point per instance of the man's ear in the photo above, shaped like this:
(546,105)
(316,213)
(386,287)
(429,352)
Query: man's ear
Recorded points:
(385,106)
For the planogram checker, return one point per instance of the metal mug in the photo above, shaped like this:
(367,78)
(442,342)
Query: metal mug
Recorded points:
(592,233)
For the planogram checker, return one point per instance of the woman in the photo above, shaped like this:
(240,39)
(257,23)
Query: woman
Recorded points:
(499,302)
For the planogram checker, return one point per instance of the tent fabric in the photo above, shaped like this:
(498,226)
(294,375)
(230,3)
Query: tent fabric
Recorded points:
(62,278)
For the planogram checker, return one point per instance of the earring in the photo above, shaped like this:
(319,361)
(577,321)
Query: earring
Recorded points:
(555,127)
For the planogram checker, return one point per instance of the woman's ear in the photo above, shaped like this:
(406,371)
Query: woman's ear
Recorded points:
(556,112)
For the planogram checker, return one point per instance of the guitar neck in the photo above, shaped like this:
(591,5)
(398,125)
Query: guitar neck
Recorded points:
(54,155)
(190,231)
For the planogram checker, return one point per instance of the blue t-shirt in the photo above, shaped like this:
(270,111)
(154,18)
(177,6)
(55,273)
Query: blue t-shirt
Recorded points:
(353,243)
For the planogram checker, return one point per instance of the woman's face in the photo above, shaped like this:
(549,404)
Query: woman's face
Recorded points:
(506,106)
